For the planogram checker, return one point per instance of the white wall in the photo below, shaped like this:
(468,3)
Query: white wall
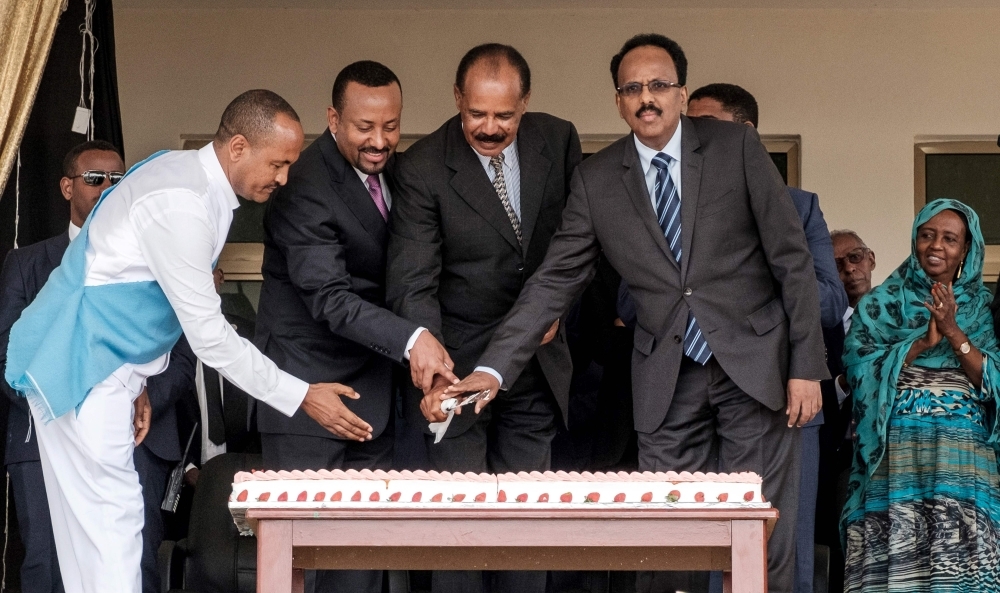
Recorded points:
(858,85)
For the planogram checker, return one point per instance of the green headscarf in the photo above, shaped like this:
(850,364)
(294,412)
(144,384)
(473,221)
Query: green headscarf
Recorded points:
(888,320)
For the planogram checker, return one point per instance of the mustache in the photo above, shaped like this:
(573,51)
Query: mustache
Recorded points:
(648,109)
(493,138)
(373,150)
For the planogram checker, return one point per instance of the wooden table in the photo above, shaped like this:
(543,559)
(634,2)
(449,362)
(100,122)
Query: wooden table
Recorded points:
(731,540)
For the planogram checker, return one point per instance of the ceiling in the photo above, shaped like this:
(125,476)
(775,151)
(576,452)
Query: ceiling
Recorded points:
(545,4)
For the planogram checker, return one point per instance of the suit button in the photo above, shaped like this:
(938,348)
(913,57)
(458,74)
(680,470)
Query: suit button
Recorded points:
(677,339)
(687,292)
(520,267)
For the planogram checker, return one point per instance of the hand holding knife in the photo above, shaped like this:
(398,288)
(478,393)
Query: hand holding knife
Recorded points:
(451,406)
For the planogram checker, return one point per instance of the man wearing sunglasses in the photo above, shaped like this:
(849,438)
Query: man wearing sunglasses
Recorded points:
(139,274)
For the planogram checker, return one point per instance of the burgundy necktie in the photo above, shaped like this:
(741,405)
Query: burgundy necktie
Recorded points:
(375,189)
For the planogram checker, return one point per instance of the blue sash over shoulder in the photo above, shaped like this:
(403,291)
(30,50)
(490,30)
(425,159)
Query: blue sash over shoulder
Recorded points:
(72,336)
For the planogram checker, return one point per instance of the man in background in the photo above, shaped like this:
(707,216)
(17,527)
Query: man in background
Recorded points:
(729,102)
(322,313)
(478,202)
(855,263)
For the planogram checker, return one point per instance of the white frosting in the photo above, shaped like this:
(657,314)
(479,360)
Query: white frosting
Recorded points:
(378,489)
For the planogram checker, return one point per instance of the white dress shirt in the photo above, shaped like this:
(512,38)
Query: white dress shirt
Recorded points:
(73,231)
(511,174)
(167,221)
(646,154)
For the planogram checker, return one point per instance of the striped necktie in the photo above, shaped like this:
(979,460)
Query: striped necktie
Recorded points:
(500,184)
(668,214)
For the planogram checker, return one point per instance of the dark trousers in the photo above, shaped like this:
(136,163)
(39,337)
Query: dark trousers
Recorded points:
(153,476)
(40,571)
(513,433)
(712,425)
(806,537)
(295,452)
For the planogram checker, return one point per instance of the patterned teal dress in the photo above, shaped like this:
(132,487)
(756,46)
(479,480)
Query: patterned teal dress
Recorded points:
(928,521)
(923,509)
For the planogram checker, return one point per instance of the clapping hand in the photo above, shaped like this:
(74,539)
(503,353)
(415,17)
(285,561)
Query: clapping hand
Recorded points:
(942,322)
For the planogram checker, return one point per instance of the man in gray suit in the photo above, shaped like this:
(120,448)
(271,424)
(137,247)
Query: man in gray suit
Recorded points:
(728,350)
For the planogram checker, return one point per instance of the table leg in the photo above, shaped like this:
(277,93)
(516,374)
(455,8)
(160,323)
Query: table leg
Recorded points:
(749,549)
(727,582)
(298,580)
(274,557)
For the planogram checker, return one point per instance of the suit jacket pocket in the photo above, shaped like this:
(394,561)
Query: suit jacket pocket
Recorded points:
(767,317)
(453,336)
(643,341)
(712,206)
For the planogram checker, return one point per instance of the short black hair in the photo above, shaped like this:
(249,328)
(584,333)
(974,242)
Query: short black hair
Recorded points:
(252,115)
(736,100)
(69,161)
(656,40)
(367,73)
(495,54)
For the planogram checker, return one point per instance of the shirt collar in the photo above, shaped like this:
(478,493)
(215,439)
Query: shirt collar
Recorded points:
(73,231)
(213,167)
(847,315)
(672,149)
(509,155)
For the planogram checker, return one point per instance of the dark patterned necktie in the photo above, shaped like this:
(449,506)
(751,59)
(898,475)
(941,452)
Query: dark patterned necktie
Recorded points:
(668,214)
(501,186)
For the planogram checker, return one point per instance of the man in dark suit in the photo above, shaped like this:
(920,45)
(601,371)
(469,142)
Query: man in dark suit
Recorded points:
(322,306)
(729,102)
(855,263)
(88,169)
(728,344)
(478,202)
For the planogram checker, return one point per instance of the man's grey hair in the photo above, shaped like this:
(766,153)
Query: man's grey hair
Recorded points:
(847,233)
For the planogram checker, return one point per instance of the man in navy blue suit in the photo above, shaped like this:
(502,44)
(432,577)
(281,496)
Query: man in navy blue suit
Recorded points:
(88,170)
(731,103)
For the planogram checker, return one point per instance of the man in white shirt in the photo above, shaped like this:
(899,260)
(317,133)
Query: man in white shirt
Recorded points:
(88,169)
(155,235)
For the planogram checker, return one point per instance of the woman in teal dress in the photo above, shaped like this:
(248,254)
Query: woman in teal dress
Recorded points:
(923,509)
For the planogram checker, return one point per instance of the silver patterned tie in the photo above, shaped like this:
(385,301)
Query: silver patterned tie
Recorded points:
(501,186)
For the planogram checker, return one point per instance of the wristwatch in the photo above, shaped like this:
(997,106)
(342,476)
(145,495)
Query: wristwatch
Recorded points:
(964,349)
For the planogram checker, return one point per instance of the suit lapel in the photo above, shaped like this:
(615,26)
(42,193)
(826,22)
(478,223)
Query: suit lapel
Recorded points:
(535,166)
(690,187)
(352,190)
(56,248)
(473,185)
(634,179)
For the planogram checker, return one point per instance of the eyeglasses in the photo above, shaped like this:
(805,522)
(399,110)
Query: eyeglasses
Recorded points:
(98,177)
(854,257)
(656,87)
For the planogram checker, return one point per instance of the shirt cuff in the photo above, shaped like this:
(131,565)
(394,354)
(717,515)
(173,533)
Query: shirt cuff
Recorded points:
(190,467)
(288,395)
(495,374)
(412,341)
(841,394)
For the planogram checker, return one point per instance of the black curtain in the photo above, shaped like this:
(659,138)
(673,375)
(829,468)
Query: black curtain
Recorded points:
(48,137)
